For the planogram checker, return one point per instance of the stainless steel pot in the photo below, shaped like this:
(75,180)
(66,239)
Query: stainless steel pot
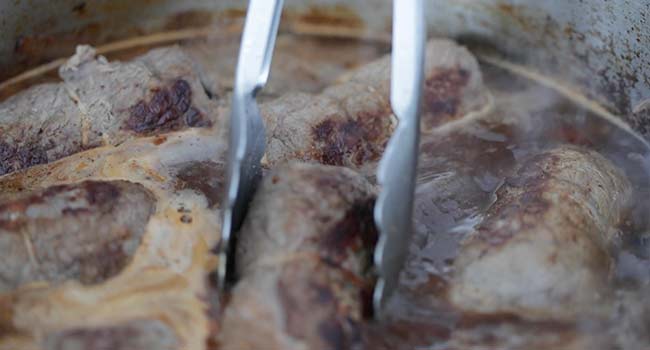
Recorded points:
(599,47)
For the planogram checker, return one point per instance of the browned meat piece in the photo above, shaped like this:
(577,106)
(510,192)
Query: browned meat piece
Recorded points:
(303,256)
(101,103)
(349,124)
(541,251)
(87,232)
(159,91)
(110,247)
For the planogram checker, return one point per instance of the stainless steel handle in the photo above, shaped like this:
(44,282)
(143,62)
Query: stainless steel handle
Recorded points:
(397,169)
(258,41)
(247,140)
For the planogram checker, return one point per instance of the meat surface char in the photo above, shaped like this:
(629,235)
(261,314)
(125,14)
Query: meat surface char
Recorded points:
(546,237)
(303,256)
(102,103)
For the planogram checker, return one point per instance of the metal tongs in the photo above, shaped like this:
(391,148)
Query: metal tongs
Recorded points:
(247,140)
(398,165)
(397,168)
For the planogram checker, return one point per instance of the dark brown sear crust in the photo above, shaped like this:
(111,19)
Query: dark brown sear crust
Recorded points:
(168,109)
(87,232)
(304,277)
(131,335)
(357,141)
(355,231)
